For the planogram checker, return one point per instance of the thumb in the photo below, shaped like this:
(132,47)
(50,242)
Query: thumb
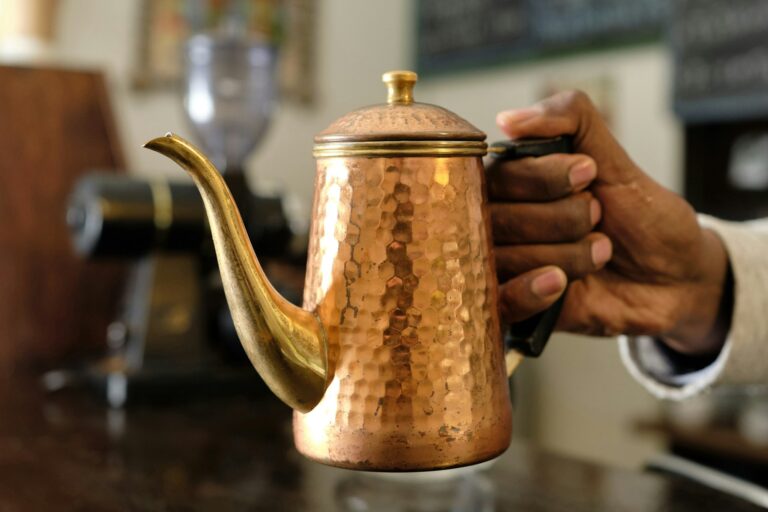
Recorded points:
(572,113)
(531,293)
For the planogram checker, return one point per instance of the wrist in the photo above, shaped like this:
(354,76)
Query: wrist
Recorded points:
(706,304)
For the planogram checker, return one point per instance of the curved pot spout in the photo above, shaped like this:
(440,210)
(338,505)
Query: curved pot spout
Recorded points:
(286,344)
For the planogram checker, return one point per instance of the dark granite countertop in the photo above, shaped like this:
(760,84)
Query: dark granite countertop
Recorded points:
(68,452)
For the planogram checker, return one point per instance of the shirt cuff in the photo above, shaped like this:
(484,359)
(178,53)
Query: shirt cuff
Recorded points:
(668,375)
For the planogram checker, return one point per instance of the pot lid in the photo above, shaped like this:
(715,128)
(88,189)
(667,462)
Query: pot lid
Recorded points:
(400,126)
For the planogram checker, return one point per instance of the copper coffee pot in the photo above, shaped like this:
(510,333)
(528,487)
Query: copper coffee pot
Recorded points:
(395,362)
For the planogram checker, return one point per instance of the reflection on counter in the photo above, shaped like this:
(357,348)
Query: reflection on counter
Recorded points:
(431,492)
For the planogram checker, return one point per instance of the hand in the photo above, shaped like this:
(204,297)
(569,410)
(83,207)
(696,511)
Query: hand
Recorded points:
(636,257)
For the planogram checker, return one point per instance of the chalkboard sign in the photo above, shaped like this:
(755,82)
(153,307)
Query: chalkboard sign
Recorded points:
(455,34)
(721,59)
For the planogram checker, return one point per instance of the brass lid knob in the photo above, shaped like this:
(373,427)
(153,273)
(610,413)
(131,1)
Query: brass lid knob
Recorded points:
(400,86)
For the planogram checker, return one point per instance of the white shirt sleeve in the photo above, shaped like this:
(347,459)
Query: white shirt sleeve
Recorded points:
(650,366)
(744,357)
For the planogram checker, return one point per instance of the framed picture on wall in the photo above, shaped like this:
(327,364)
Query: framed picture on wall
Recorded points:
(288,24)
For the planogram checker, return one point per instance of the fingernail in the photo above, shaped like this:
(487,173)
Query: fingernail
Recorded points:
(511,117)
(595,211)
(602,251)
(582,173)
(548,284)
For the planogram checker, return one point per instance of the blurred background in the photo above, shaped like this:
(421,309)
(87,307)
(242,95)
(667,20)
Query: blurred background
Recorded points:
(682,84)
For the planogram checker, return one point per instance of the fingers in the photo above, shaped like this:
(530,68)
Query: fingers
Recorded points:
(572,113)
(540,179)
(576,259)
(530,293)
(565,220)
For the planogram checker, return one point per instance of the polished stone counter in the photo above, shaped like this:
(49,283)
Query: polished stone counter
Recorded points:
(67,452)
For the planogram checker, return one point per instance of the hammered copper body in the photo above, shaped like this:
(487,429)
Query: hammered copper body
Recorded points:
(401,274)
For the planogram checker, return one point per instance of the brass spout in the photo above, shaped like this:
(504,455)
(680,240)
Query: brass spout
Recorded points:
(286,344)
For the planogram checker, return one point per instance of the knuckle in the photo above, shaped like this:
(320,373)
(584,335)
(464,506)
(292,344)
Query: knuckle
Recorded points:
(576,260)
(554,175)
(544,178)
(495,188)
(518,190)
(583,264)
(508,181)
(500,254)
(553,187)
(503,229)
(577,99)
(582,213)
(514,303)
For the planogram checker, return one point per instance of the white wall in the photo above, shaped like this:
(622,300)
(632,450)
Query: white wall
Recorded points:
(579,399)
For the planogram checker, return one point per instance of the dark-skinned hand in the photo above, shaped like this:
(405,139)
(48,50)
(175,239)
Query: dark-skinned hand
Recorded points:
(633,252)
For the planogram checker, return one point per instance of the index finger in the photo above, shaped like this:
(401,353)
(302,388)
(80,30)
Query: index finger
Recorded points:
(543,178)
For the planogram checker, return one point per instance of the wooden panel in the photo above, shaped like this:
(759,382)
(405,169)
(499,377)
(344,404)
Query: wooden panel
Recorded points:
(54,126)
